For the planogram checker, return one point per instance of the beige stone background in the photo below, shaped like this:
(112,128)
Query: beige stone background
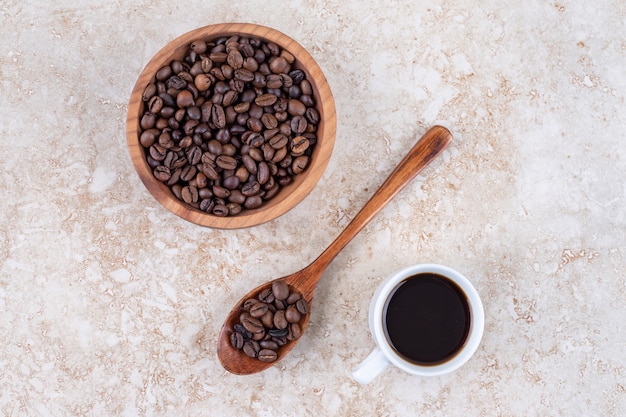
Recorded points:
(110,305)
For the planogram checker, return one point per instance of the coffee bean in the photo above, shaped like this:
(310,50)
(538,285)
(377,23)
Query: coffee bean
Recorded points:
(299,164)
(268,319)
(265,100)
(218,117)
(280,322)
(220,210)
(251,188)
(293,297)
(294,331)
(276,333)
(298,124)
(296,108)
(258,310)
(267,355)
(302,306)
(279,65)
(236,340)
(266,295)
(226,162)
(253,202)
(292,314)
(251,348)
(190,194)
(280,290)
(162,173)
(267,344)
(278,141)
(299,145)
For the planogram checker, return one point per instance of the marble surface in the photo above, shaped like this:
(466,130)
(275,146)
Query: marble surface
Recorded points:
(110,305)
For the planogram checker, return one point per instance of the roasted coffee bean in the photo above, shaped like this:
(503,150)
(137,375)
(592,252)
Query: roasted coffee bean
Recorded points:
(240,329)
(207,204)
(263,173)
(158,152)
(231,183)
(226,162)
(190,194)
(280,304)
(251,188)
(292,314)
(279,65)
(280,321)
(298,124)
(220,192)
(249,303)
(251,324)
(294,331)
(236,340)
(299,164)
(296,108)
(293,297)
(267,355)
(218,116)
(267,344)
(268,319)
(280,290)
(253,202)
(312,115)
(188,172)
(162,173)
(265,100)
(251,348)
(279,141)
(299,145)
(220,210)
(266,295)
(184,99)
(302,306)
(258,309)
(278,333)
(244,75)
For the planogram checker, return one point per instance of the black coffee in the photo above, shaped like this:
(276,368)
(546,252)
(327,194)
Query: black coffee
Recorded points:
(427,319)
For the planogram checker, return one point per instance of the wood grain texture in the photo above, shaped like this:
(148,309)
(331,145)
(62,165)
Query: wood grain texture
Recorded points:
(290,195)
(431,144)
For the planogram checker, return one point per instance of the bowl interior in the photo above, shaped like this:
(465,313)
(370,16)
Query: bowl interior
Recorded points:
(289,195)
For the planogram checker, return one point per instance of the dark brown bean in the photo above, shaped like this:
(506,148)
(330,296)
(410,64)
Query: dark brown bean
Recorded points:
(280,322)
(292,314)
(267,355)
(226,162)
(302,306)
(251,348)
(236,340)
(280,290)
(265,100)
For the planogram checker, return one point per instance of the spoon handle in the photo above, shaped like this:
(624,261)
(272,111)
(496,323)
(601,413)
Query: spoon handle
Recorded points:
(423,152)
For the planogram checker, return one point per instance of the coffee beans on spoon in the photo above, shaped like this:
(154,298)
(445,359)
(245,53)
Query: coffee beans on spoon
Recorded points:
(269,321)
(230,124)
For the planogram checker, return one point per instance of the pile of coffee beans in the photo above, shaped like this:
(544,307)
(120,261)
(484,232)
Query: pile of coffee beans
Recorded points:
(230,124)
(269,321)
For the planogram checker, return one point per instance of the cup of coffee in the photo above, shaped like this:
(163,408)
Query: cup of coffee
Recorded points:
(426,319)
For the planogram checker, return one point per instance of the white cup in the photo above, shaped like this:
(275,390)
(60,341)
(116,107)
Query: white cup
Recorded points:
(384,354)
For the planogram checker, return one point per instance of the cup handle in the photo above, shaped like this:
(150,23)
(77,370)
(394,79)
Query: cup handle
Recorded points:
(367,370)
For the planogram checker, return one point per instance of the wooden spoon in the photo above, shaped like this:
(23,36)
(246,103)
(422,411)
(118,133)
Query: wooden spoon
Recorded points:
(423,152)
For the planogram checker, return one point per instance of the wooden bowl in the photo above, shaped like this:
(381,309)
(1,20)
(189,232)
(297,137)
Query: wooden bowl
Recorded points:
(290,195)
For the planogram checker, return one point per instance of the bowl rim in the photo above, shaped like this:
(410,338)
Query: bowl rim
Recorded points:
(290,195)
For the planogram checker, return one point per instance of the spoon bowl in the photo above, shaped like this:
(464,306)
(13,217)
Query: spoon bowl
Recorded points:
(431,144)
